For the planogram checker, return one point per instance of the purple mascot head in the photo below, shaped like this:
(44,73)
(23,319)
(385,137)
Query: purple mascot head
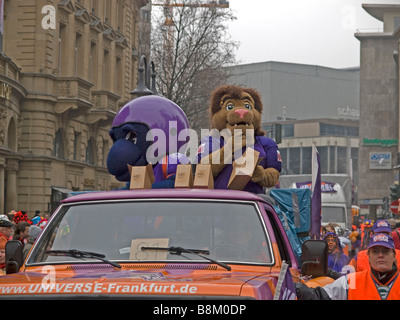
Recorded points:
(140,124)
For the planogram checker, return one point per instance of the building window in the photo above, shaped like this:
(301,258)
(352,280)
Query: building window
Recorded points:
(306,155)
(95,6)
(341,160)
(120,15)
(12,142)
(106,74)
(118,76)
(396,22)
(77,146)
(107,11)
(332,159)
(93,63)
(287,130)
(89,158)
(323,158)
(294,161)
(62,47)
(354,160)
(79,59)
(58,145)
(335,130)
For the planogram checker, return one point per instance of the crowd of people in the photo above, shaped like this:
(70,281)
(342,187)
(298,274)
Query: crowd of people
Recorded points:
(16,225)
(368,270)
(363,262)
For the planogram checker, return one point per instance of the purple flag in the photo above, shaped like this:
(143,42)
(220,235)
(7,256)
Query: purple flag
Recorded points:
(285,287)
(315,231)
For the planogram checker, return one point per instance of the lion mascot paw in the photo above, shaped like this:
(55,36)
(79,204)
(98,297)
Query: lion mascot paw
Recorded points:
(236,121)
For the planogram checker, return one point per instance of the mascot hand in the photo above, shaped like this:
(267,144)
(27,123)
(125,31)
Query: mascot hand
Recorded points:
(268,177)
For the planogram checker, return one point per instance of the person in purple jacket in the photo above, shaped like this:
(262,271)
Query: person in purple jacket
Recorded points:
(236,117)
(336,258)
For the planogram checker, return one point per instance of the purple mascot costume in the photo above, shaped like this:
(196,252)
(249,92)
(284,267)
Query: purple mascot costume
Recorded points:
(149,129)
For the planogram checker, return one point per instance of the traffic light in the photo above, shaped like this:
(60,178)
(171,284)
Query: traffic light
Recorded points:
(394,192)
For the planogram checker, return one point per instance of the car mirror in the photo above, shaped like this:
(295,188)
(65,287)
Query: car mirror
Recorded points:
(314,257)
(14,256)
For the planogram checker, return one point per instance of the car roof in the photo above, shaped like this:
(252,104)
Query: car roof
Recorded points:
(164,193)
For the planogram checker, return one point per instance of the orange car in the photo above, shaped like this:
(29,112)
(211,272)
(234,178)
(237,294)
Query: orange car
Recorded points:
(174,243)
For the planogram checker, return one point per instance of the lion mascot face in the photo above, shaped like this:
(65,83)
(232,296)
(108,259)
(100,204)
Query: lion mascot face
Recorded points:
(234,107)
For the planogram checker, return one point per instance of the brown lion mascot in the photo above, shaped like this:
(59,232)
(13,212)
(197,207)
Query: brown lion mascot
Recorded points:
(236,120)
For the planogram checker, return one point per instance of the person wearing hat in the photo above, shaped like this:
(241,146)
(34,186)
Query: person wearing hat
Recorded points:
(6,231)
(336,258)
(2,259)
(366,232)
(360,261)
(379,282)
(396,236)
(34,232)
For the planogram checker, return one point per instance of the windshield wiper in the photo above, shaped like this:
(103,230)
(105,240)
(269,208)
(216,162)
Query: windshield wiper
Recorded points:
(180,250)
(81,255)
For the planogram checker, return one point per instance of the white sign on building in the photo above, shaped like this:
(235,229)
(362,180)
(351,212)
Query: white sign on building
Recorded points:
(380,160)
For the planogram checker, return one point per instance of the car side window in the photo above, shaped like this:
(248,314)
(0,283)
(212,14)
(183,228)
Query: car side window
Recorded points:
(283,251)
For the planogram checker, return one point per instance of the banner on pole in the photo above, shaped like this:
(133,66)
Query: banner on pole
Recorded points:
(316,194)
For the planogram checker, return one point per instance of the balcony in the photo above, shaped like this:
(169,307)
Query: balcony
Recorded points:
(105,107)
(73,94)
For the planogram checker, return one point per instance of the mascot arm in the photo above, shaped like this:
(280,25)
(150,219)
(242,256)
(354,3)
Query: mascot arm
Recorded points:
(267,174)
(265,177)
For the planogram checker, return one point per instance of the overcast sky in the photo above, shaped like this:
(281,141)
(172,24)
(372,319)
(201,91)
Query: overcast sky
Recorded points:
(316,32)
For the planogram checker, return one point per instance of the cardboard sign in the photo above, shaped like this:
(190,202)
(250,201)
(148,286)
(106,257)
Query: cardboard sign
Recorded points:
(203,177)
(243,169)
(184,176)
(136,252)
(142,177)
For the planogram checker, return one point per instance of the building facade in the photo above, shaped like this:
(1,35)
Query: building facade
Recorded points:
(65,70)
(379,107)
(300,91)
(313,105)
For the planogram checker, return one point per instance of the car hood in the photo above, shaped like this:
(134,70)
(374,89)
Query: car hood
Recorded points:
(85,280)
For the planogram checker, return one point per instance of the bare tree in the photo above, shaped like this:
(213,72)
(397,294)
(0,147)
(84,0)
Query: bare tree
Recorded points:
(190,46)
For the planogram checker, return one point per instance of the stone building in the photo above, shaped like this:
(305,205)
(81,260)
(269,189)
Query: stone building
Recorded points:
(313,105)
(65,70)
(379,107)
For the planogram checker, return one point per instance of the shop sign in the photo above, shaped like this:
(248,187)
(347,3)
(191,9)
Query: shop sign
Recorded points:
(380,142)
(380,160)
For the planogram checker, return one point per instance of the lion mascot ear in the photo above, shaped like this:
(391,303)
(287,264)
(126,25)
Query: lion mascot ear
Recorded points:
(236,119)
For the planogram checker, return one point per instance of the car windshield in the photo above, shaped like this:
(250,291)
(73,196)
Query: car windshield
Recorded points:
(232,231)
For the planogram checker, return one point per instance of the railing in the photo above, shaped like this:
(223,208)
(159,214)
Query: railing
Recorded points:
(73,88)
